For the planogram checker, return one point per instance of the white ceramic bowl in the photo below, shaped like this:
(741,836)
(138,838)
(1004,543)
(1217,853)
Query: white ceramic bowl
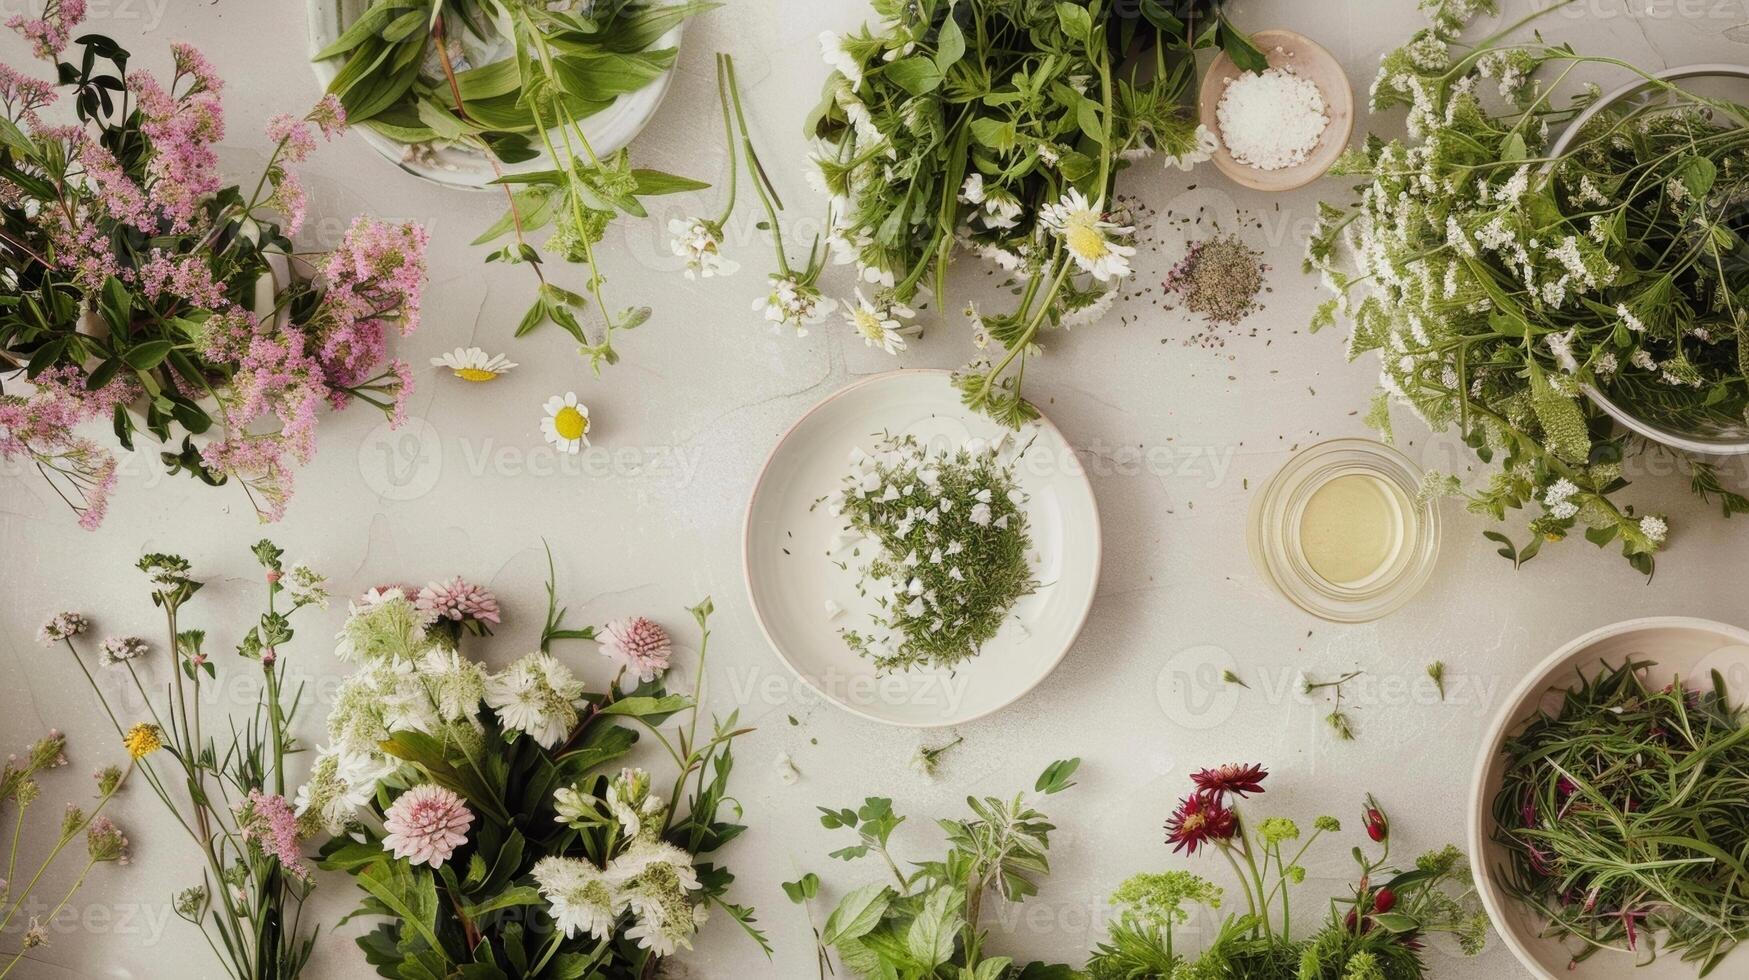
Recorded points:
(1680,646)
(790,577)
(456,166)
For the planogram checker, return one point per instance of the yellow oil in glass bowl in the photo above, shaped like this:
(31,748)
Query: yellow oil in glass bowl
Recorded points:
(1340,531)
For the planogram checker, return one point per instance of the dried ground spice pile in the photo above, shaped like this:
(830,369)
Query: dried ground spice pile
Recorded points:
(1219,278)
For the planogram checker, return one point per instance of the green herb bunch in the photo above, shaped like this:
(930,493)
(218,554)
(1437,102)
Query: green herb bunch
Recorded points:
(951,549)
(1389,912)
(999,127)
(224,784)
(1625,821)
(928,924)
(1500,283)
(564,868)
(434,71)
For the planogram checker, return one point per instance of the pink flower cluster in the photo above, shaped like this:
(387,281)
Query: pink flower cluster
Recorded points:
(457,600)
(272,368)
(40,428)
(638,645)
(49,34)
(269,821)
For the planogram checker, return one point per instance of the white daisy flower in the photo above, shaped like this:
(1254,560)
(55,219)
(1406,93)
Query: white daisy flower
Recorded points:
(1088,236)
(878,325)
(700,243)
(473,364)
(567,423)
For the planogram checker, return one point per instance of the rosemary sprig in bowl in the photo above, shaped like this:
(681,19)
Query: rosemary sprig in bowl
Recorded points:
(1624,817)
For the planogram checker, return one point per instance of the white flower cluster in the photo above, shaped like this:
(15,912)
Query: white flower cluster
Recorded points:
(652,880)
(409,677)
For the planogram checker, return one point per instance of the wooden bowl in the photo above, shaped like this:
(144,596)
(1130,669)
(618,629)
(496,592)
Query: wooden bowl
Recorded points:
(1284,49)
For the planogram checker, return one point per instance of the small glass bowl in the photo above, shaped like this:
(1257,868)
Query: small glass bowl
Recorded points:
(1274,532)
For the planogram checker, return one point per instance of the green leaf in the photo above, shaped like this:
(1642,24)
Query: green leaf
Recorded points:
(146,356)
(950,47)
(1698,173)
(638,707)
(930,939)
(1055,778)
(1395,922)
(1075,21)
(509,898)
(1512,149)
(857,914)
(652,182)
(409,894)
(368,25)
(1563,422)
(916,74)
(997,134)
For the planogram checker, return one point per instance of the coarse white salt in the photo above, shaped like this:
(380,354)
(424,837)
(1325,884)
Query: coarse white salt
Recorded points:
(1271,119)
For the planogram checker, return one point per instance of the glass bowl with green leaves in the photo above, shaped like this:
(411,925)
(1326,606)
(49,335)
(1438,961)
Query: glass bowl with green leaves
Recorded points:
(1714,421)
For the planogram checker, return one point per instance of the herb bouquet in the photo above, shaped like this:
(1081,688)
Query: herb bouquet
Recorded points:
(142,292)
(227,793)
(1381,935)
(1500,282)
(929,923)
(999,126)
(472,809)
(513,80)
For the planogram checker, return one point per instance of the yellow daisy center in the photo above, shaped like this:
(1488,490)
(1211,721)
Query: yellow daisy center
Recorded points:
(1086,241)
(870,326)
(570,423)
(475,374)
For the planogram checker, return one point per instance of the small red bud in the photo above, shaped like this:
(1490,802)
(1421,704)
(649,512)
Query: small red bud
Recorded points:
(1384,900)
(1377,827)
(272,576)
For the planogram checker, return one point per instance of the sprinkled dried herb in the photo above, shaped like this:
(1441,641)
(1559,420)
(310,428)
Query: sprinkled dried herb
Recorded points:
(1626,818)
(1219,278)
(952,543)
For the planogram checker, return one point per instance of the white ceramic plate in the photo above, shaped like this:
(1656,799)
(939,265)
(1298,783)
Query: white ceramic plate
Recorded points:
(1681,646)
(607,131)
(790,576)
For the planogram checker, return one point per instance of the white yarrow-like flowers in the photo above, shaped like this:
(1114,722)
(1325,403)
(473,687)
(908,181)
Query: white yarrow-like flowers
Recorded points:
(536,695)
(1088,237)
(794,303)
(700,243)
(579,895)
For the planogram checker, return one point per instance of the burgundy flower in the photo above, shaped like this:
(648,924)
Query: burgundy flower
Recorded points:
(1200,818)
(1230,778)
(1373,818)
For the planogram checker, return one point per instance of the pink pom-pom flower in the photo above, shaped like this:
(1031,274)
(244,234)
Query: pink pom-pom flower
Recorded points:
(426,824)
